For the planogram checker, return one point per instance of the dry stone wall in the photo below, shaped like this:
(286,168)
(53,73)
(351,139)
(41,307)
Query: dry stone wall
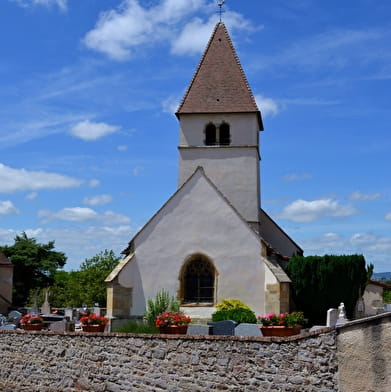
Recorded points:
(70,362)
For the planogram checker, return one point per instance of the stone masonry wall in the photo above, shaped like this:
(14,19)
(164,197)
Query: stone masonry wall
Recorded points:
(70,362)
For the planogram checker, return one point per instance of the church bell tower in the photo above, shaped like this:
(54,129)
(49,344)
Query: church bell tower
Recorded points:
(219,127)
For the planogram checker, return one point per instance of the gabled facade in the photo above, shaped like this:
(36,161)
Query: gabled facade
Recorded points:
(206,242)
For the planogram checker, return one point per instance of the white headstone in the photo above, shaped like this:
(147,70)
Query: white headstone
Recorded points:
(332,316)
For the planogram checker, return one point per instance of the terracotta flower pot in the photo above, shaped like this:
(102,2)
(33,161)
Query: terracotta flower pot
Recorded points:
(280,330)
(93,328)
(174,330)
(33,327)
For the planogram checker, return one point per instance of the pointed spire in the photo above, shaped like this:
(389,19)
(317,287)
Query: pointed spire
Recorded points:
(219,84)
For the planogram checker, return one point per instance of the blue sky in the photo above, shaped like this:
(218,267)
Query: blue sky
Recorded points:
(88,139)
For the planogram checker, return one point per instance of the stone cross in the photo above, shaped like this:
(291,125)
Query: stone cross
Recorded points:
(45,309)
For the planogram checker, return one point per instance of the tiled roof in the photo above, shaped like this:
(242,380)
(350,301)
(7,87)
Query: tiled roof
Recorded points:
(219,84)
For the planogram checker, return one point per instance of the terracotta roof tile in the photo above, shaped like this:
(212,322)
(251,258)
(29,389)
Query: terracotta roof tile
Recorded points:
(219,84)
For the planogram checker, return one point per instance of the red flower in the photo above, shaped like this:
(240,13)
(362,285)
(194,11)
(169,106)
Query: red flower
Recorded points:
(93,319)
(171,318)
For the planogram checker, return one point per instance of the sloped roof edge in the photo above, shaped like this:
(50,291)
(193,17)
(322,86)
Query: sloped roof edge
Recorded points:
(282,231)
(119,267)
(202,171)
(277,270)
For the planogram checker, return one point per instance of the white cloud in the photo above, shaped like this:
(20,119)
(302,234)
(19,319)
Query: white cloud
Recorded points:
(357,195)
(88,130)
(98,200)
(78,244)
(93,183)
(309,211)
(82,214)
(17,180)
(32,196)
(75,214)
(267,106)
(170,104)
(118,32)
(297,176)
(122,147)
(193,38)
(388,216)
(7,208)
(62,4)
(338,48)
(137,170)
(371,242)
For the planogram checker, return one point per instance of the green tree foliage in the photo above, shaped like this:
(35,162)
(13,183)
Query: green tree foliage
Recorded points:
(387,293)
(35,266)
(322,282)
(85,286)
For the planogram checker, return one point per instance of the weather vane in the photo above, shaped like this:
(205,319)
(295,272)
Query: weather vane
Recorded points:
(220,3)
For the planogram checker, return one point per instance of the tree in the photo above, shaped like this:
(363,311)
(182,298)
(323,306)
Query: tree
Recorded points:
(34,265)
(93,273)
(322,282)
(85,286)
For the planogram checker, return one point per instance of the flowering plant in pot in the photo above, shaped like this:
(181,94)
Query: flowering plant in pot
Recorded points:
(172,322)
(283,324)
(31,322)
(93,323)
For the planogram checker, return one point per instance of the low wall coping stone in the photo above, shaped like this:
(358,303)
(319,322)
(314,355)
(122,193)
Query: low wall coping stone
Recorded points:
(274,339)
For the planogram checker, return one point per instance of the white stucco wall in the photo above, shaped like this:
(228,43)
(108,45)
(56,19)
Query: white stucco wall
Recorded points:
(235,171)
(244,128)
(196,220)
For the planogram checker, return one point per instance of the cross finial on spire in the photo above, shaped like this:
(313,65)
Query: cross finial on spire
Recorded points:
(220,3)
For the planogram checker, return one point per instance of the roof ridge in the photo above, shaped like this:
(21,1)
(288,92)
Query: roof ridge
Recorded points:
(198,67)
(239,64)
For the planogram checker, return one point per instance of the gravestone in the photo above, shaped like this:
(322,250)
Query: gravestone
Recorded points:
(332,317)
(69,313)
(225,327)
(14,316)
(245,329)
(196,329)
(58,326)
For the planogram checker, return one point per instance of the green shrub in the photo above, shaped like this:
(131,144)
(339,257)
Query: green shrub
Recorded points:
(162,303)
(323,282)
(228,304)
(135,326)
(240,315)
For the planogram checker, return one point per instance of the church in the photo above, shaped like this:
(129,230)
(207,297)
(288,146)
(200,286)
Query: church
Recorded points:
(211,239)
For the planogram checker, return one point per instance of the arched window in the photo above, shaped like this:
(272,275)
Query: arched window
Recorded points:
(225,137)
(210,135)
(217,136)
(198,281)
